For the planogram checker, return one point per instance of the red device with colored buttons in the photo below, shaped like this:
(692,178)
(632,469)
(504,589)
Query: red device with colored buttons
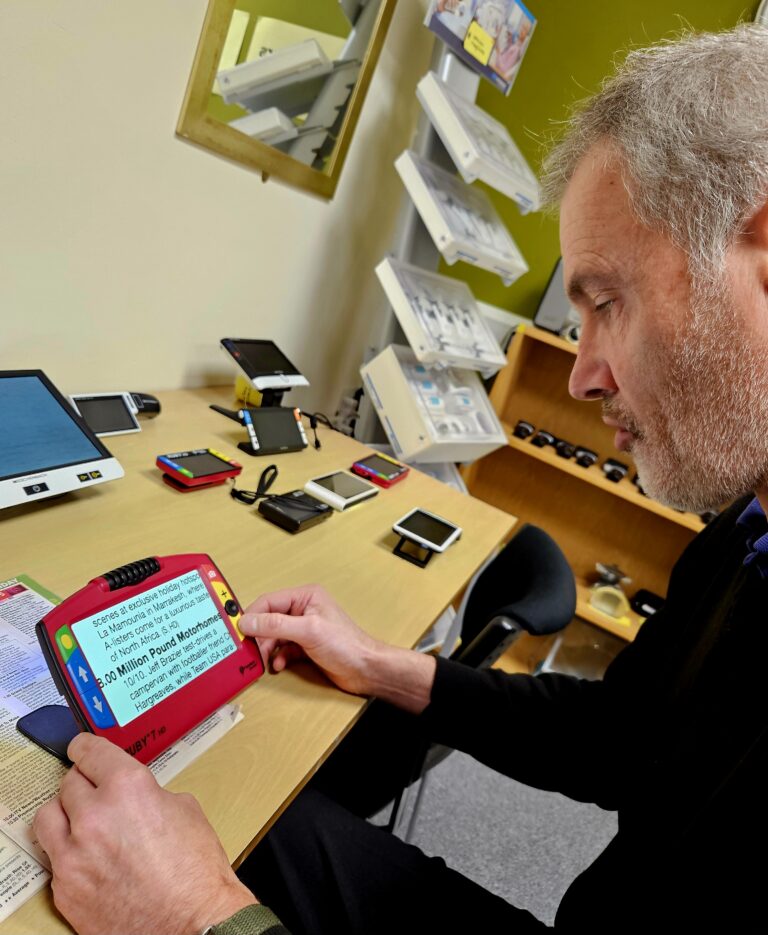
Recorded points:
(380,469)
(145,652)
(201,467)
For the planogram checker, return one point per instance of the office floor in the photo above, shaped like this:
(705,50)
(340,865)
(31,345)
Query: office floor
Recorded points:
(524,845)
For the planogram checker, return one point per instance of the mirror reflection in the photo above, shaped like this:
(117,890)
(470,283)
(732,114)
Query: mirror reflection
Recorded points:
(288,70)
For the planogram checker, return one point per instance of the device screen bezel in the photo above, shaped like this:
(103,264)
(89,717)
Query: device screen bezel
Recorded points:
(270,421)
(182,456)
(368,490)
(231,344)
(110,692)
(394,469)
(102,453)
(428,543)
(79,398)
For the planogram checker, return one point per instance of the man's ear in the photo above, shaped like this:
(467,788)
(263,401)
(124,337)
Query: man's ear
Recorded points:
(752,246)
(756,228)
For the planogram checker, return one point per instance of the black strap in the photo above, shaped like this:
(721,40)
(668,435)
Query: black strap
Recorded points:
(268,477)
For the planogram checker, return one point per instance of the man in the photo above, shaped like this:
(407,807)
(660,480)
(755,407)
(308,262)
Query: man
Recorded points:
(663,182)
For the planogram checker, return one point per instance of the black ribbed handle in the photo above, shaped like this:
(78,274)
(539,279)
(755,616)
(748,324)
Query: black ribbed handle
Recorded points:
(132,573)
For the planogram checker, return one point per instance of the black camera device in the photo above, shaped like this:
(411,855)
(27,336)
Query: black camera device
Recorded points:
(294,511)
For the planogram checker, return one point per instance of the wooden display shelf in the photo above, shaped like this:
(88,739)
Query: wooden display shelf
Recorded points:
(546,337)
(594,475)
(589,524)
(597,618)
(591,518)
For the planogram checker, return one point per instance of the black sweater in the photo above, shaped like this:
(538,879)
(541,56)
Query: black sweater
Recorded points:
(673,738)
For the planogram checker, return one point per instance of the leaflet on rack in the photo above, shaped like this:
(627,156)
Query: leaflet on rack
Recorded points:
(460,218)
(480,146)
(491,36)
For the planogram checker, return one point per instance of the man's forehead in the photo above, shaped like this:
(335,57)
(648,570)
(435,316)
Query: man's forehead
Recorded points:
(597,225)
(603,243)
(594,195)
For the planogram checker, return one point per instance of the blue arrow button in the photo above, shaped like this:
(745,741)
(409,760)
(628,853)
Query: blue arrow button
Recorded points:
(80,672)
(89,691)
(98,709)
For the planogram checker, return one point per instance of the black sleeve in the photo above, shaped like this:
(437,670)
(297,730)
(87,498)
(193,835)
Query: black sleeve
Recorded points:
(587,739)
(548,731)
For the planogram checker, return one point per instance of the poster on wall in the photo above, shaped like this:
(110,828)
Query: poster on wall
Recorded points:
(491,36)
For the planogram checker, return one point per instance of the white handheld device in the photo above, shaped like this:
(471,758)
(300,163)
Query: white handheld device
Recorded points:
(340,489)
(107,413)
(427,530)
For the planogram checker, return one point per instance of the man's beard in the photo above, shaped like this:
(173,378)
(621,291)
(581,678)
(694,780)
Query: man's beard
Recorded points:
(706,443)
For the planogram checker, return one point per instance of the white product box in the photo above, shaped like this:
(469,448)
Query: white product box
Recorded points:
(269,126)
(440,318)
(460,219)
(431,414)
(480,146)
(270,72)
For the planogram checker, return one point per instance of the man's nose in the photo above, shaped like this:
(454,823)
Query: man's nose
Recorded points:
(591,376)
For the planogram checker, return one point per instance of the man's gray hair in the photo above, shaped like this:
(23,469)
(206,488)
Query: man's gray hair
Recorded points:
(688,122)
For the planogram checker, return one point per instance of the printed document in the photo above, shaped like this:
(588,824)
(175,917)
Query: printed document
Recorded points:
(29,776)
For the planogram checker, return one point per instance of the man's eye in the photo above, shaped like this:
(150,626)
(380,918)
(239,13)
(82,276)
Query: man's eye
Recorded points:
(604,306)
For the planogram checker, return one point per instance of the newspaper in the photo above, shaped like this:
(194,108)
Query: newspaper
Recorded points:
(29,776)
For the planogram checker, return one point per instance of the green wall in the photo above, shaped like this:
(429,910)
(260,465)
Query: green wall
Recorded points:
(573,48)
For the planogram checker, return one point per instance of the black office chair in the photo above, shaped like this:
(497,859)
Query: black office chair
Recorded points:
(528,587)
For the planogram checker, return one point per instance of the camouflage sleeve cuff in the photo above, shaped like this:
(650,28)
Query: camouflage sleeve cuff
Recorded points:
(253,920)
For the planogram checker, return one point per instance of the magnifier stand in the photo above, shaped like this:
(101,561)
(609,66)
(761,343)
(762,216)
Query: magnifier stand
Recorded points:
(413,557)
(272,397)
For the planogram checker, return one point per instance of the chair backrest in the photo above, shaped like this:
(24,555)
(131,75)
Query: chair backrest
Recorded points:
(528,586)
(529,583)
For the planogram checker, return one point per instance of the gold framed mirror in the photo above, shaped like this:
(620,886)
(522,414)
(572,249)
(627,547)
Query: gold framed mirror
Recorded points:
(278,85)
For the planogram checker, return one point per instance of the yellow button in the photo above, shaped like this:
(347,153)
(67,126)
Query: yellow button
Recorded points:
(224,596)
(66,641)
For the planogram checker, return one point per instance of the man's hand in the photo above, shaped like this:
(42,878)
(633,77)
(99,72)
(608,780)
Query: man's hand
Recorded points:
(306,622)
(129,857)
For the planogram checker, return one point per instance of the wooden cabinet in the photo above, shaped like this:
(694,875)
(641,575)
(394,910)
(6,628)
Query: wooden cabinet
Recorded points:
(592,518)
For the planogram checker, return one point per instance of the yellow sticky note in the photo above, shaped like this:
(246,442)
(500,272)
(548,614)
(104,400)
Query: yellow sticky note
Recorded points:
(478,43)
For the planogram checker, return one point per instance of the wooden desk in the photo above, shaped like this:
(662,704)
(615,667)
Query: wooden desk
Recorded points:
(292,721)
